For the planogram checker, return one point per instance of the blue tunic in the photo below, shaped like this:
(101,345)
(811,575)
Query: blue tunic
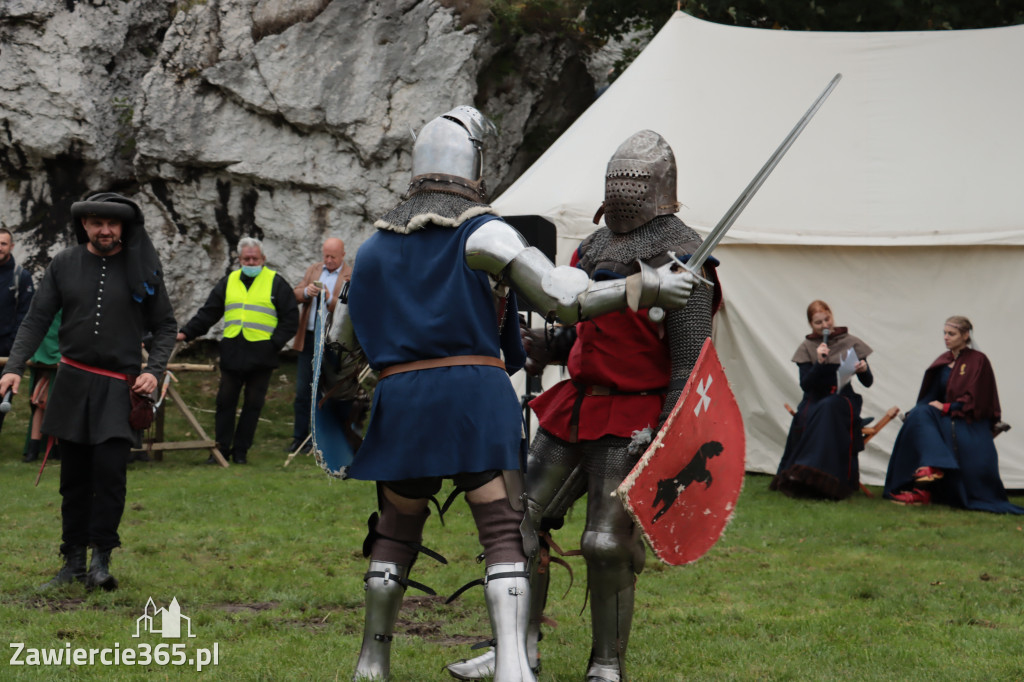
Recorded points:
(963,449)
(413,297)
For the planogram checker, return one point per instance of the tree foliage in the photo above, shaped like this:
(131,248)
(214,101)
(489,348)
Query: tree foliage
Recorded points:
(601,20)
(614,18)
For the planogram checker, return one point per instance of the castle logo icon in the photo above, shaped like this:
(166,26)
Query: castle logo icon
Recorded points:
(165,622)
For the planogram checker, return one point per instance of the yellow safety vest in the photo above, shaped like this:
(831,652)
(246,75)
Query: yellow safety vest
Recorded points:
(250,311)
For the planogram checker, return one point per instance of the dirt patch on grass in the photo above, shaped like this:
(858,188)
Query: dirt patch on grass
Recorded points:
(431,632)
(254,607)
(64,604)
(426,616)
(313,623)
(421,616)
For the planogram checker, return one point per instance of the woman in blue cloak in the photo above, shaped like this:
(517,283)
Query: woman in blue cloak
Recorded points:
(820,459)
(945,452)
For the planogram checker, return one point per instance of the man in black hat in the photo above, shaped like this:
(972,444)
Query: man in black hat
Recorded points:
(111,291)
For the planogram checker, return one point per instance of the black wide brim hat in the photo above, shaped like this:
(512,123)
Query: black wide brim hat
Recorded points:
(103,209)
(145,273)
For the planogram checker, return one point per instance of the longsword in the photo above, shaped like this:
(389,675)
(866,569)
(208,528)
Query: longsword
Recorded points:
(693,265)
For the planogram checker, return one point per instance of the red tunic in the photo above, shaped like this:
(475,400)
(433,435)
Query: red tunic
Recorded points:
(623,351)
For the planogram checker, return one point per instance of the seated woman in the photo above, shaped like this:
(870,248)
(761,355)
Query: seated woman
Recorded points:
(820,459)
(945,453)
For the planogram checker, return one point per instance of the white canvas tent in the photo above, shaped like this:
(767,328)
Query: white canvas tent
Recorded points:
(901,203)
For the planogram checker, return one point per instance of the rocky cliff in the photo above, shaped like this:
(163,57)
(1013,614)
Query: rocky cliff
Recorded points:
(288,120)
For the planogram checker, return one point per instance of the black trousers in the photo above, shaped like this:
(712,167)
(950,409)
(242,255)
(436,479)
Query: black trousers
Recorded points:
(254,382)
(93,482)
(303,389)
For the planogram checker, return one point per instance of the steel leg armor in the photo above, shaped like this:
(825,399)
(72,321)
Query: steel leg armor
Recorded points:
(507,592)
(384,590)
(614,553)
(555,480)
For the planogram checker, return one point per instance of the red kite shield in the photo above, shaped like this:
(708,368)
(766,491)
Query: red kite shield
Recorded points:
(684,489)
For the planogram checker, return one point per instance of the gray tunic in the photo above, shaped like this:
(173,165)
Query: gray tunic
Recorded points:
(102,326)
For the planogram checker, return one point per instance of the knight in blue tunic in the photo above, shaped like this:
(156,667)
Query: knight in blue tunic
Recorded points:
(432,306)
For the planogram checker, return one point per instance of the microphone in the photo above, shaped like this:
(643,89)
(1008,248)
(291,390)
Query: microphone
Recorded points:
(824,335)
(5,406)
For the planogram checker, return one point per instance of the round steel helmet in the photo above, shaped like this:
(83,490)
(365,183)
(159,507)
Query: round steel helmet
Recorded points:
(640,183)
(452,144)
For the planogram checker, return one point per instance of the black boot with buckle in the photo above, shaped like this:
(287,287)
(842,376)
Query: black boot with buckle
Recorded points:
(99,571)
(72,570)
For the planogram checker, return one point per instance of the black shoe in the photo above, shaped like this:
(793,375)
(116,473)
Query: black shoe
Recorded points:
(99,572)
(72,570)
(239,458)
(32,453)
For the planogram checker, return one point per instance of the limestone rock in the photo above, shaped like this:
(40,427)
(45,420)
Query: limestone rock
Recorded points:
(288,120)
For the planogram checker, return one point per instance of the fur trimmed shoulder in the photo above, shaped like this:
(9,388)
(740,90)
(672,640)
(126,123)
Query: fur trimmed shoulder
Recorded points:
(431,208)
(422,220)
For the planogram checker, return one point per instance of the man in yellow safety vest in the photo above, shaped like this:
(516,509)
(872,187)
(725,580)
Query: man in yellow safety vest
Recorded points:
(260,317)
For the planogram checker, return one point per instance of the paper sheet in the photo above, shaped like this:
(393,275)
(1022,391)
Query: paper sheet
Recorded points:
(847,368)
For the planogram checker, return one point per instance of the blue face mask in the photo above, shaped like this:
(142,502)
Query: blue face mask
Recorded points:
(251,270)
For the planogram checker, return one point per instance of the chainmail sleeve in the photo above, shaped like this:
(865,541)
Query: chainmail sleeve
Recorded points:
(686,330)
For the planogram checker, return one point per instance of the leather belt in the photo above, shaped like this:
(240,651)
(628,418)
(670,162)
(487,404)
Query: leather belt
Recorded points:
(450,361)
(95,370)
(590,390)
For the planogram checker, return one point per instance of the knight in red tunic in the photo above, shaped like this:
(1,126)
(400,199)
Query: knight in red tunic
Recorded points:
(627,369)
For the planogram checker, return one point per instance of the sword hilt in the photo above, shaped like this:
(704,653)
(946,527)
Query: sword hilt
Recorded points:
(657,314)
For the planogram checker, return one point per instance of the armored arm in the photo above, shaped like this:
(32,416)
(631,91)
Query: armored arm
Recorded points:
(686,331)
(568,293)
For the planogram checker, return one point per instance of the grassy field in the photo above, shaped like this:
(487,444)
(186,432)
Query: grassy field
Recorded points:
(266,562)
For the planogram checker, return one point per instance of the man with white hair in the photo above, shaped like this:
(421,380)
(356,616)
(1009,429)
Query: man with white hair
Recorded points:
(260,316)
(329,275)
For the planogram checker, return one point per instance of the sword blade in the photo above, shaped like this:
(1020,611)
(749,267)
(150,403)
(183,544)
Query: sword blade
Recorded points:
(715,236)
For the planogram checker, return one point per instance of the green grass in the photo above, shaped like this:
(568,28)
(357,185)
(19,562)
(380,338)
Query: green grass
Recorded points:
(266,562)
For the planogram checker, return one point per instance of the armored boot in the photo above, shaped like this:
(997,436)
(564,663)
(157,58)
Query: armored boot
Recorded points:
(482,666)
(611,615)
(507,592)
(478,668)
(72,570)
(99,571)
(385,586)
(615,554)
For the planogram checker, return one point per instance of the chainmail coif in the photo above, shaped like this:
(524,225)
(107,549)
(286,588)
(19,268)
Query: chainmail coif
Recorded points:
(606,250)
(433,208)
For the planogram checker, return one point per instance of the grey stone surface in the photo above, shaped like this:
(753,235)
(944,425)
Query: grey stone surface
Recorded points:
(288,120)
